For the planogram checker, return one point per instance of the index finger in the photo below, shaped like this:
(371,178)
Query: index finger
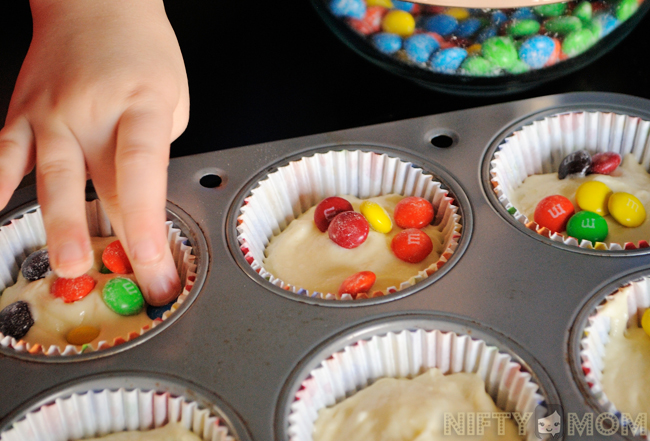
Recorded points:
(141,158)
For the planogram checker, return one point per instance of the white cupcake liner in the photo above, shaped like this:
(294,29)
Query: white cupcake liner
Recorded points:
(596,336)
(293,189)
(407,354)
(539,148)
(98,413)
(26,234)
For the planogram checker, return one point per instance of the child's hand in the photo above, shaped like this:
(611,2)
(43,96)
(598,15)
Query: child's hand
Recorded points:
(102,91)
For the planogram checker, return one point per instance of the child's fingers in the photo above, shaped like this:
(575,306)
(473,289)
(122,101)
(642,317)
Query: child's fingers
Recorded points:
(16,156)
(60,182)
(142,156)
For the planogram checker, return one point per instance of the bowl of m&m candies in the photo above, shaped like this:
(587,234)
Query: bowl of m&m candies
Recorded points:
(385,226)
(588,186)
(468,50)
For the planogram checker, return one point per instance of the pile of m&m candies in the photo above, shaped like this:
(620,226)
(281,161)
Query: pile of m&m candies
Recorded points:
(594,198)
(483,42)
(350,229)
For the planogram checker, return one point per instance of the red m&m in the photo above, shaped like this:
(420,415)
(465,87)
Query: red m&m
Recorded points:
(358,283)
(553,212)
(115,259)
(327,209)
(413,212)
(71,290)
(411,245)
(604,163)
(348,229)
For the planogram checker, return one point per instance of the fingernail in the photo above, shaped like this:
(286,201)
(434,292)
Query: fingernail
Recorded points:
(162,291)
(70,252)
(145,251)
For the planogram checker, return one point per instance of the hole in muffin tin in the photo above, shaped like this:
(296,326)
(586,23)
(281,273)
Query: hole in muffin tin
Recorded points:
(623,129)
(586,348)
(239,251)
(388,347)
(442,141)
(210,181)
(184,226)
(157,398)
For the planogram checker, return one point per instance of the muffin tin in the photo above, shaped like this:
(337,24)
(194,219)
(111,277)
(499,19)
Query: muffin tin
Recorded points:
(250,348)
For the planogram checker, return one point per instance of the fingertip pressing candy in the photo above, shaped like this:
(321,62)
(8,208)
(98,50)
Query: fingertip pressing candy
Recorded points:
(627,209)
(16,320)
(82,335)
(553,212)
(413,212)
(576,163)
(604,163)
(36,266)
(358,283)
(376,216)
(348,229)
(71,290)
(586,225)
(411,245)
(593,196)
(327,209)
(115,259)
(399,22)
(123,296)
(645,321)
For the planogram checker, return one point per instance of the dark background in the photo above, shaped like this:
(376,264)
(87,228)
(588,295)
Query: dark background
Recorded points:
(264,71)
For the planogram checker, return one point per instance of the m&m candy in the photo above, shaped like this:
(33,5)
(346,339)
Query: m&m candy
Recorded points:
(586,225)
(327,209)
(123,296)
(576,163)
(627,209)
(411,245)
(348,229)
(71,290)
(16,320)
(358,283)
(36,266)
(82,335)
(645,321)
(399,22)
(115,259)
(593,196)
(604,163)
(413,212)
(553,212)
(376,216)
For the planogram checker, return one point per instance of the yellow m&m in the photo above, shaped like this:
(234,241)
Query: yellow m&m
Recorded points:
(399,22)
(593,196)
(376,216)
(626,209)
(385,3)
(82,335)
(645,321)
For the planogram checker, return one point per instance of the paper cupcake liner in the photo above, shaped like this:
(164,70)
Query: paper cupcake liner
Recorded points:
(26,234)
(98,413)
(293,189)
(596,336)
(407,354)
(539,148)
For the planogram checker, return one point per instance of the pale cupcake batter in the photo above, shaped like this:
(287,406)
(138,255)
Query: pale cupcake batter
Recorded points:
(170,432)
(394,409)
(53,318)
(630,177)
(304,257)
(627,359)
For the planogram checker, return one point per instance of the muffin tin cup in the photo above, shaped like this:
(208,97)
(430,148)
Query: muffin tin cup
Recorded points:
(404,347)
(23,232)
(117,402)
(539,146)
(279,197)
(589,338)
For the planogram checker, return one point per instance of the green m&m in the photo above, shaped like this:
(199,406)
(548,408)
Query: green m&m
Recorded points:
(123,296)
(586,225)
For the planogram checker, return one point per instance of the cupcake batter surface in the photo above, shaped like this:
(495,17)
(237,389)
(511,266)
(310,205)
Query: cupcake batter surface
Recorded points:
(170,432)
(304,257)
(53,318)
(394,409)
(630,177)
(627,360)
